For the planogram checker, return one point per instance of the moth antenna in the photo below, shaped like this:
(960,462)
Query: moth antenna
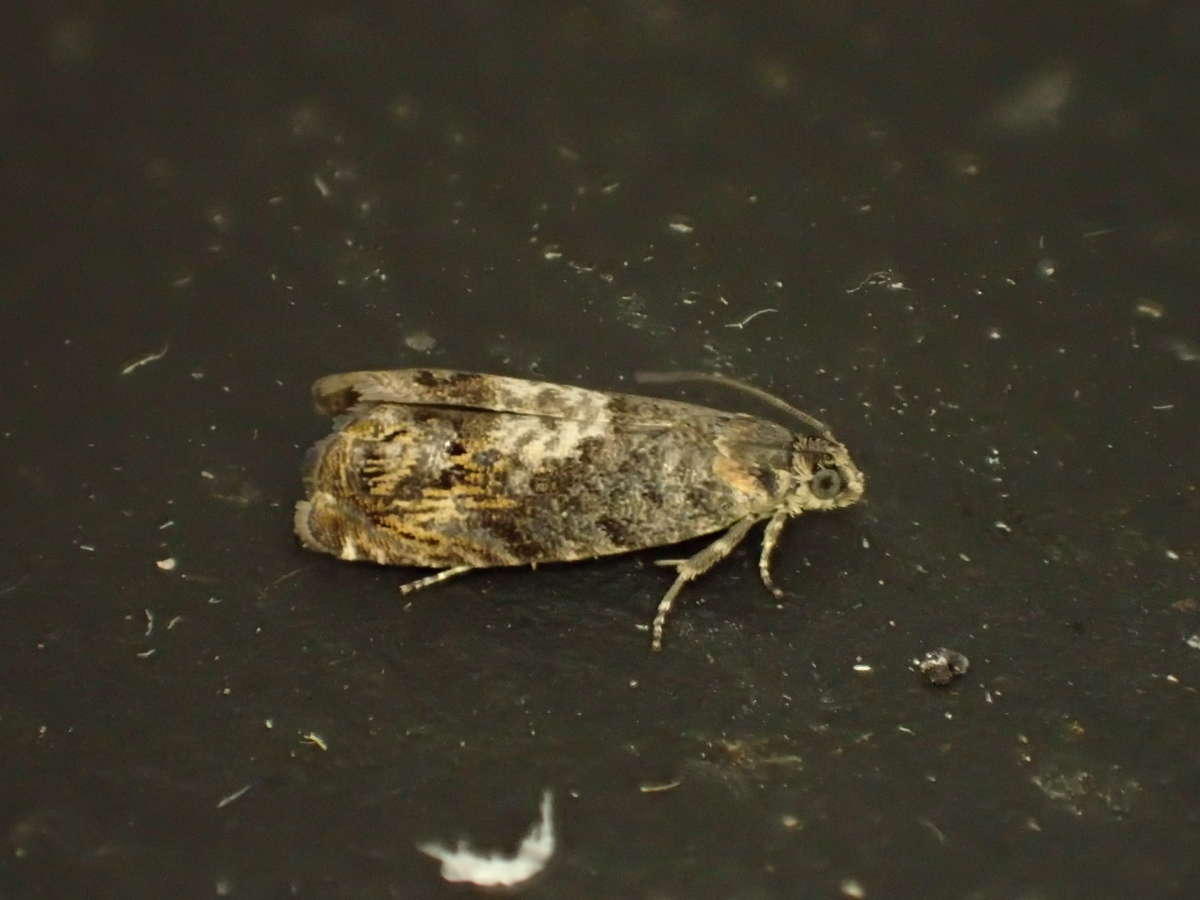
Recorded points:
(724,380)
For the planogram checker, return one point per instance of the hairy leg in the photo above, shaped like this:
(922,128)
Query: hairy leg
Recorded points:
(690,569)
(435,578)
(770,539)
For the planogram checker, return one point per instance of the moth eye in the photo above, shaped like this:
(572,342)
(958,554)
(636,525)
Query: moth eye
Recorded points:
(826,483)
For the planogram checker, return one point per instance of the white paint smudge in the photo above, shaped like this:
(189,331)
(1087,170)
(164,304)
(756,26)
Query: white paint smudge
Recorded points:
(1037,103)
(420,341)
(462,864)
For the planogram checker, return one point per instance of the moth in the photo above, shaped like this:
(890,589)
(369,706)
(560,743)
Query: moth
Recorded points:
(458,471)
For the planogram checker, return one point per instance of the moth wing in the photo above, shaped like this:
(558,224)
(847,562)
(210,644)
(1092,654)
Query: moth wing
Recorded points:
(348,391)
(335,394)
(446,486)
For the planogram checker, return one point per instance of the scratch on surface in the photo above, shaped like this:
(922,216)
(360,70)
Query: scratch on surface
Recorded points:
(750,318)
(145,360)
(658,788)
(281,579)
(13,585)
(236,795)
(937,832)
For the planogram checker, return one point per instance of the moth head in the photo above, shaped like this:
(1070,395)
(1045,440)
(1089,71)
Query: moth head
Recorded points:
(826,476)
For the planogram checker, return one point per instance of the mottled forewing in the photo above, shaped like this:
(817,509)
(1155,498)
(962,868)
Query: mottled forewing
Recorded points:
(445,485)
(335,394)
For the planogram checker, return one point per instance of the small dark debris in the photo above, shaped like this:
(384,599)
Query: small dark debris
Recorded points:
(941,666)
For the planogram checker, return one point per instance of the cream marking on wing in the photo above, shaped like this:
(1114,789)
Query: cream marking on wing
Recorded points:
(537,440)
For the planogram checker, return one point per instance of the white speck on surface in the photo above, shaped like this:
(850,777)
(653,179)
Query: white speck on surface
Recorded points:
(404,109)
(462,864)
(322,188)
(1002,526)
(168,564)
(864,669)
(994,333)
(852,888)
(680,225)
(552,252)
(1194,641)
(1149,309)
(219,218)
(1172,555)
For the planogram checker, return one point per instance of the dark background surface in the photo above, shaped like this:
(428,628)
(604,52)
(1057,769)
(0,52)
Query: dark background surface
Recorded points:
(976,227)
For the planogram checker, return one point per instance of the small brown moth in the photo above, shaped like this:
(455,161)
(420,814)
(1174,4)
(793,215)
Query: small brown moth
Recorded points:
(459,471)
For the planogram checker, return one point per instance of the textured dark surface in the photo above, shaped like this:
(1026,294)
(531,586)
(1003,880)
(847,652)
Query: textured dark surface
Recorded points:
(966,235)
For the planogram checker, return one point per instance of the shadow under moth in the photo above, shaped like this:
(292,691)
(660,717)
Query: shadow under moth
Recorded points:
(457,471)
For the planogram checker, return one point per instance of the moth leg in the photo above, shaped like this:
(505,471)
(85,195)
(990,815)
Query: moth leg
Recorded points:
(690,569)
(770,539)
(435,578)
